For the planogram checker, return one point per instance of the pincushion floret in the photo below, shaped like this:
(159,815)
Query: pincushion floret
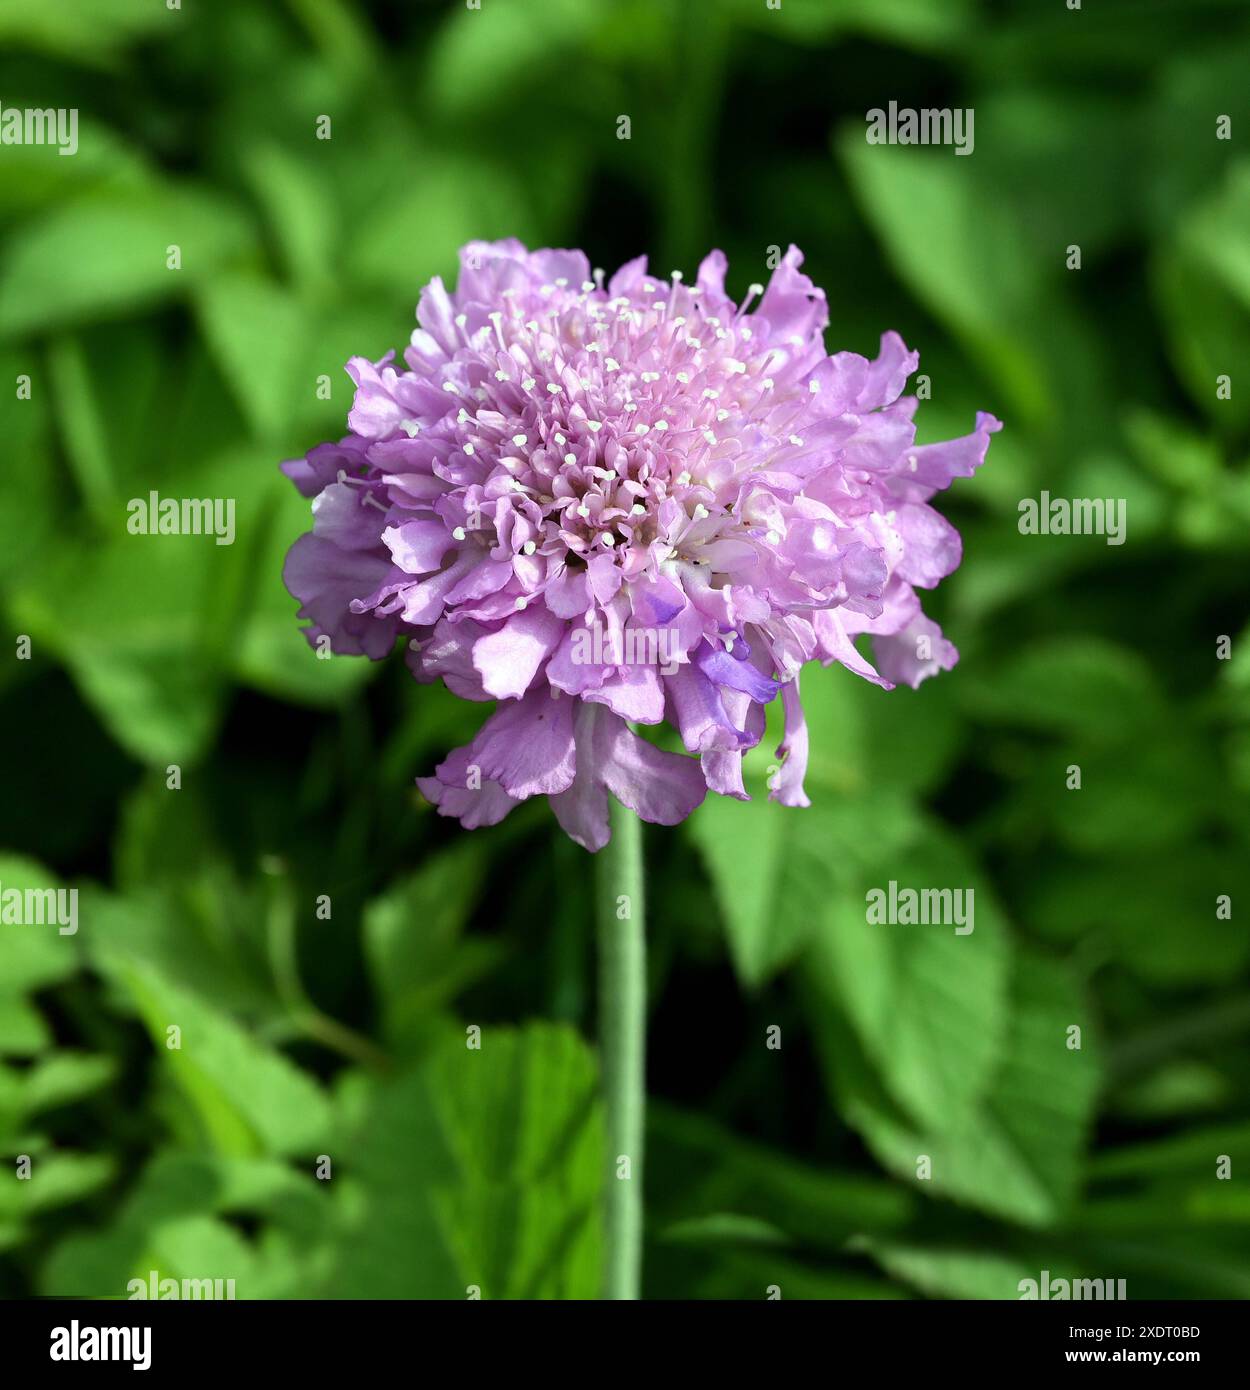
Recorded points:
(626,503)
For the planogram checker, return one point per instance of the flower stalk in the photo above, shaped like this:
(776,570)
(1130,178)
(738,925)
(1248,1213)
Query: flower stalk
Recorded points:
(622,1039)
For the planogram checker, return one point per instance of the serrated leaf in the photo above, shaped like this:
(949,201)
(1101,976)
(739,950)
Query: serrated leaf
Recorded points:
(1019,1154)
(481,1168)
(909,989)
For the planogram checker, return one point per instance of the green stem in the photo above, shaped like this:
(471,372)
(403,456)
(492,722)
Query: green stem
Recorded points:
(622,1040)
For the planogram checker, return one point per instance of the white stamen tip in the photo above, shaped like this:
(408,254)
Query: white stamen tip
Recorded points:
(459,534)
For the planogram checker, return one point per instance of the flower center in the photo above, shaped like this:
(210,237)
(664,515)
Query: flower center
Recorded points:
(618,426)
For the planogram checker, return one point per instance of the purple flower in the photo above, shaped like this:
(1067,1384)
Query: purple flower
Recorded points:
(638,503)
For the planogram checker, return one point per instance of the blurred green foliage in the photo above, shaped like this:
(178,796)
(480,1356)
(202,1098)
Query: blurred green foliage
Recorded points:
(306,1037)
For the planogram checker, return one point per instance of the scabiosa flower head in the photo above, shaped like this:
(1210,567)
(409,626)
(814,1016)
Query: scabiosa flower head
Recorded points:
(636,502)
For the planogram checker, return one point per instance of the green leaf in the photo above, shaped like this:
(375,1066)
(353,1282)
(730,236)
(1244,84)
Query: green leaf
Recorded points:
(769,870)
(23,1031)
(958,249)
(204,932)
(1072,685)
(1202,284)
(479,1168)
(1018,1154)
(1106,900)
(412,937)
(34,955)
(130,620)
(258,333)
(105,254)
(1183,1153)
(175,1221)
(1180,1088)
(301,209)
(38,177)
(412,233)
(64,1077)
(751,1272)
(249,1099)
(946,1272)
(481,57)
(1148,795)
(90,32)
(29,493)
(57,1179)
(909,23)
(910,990)
(148,624)
(709,1171)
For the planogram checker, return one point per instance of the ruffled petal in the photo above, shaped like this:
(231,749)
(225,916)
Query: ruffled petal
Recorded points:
(527,745)
(914,654)
(509,659)
(658,786)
